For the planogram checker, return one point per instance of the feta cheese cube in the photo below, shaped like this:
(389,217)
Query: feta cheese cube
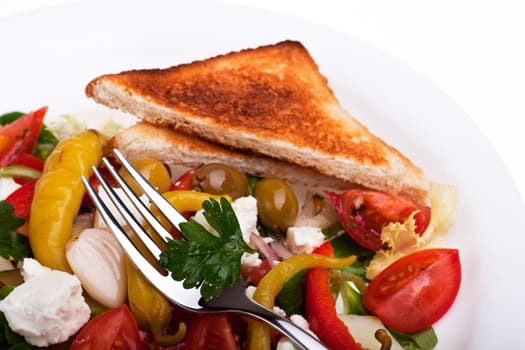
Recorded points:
(304,239)
(48,307)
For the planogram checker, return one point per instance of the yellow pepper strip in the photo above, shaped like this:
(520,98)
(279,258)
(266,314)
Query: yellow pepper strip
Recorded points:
(190,200)
(58,195)
(272,283)
(183,201)
(150,308)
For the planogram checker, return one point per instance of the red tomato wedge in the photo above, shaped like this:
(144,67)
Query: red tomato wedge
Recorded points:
(364,213)
(21,199)
(31,161)
(415,291)
(20,136)
(115,329)
(210,332)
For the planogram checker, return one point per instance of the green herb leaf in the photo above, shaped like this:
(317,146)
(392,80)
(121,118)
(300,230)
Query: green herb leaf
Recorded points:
(345,246)
(10,117)
(291,297)
(424,340)
(204,260)
(352,300)
(12,244)
(45,144)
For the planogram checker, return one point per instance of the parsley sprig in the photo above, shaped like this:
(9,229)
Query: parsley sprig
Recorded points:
(12,244)
(205,260)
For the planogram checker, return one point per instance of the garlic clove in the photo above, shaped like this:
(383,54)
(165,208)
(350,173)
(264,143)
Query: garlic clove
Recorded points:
(99,262)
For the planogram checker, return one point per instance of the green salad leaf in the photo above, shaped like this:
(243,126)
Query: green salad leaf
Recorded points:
(424,340)
(292,295)
(205,260)
(12,244)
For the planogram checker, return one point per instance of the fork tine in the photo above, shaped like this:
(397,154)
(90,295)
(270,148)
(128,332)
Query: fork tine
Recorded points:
(125,241)
(127,215)
(141,207)
(173,290)
(165,207)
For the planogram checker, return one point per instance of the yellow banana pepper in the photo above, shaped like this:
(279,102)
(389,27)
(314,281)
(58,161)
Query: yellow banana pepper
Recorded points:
(190,200)
(58,195)
(272,283)
(183,201)
(151,308)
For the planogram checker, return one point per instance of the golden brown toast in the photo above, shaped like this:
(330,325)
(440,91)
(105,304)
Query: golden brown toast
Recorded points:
(172,147)
(270,100)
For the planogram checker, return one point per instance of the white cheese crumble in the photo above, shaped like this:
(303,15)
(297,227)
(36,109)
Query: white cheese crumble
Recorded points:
(304,239)
(7,186)
(250,259)
(284,343)
(48,307)
(245,209)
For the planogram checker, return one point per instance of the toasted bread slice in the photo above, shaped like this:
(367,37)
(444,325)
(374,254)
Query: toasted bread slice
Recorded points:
(270,100)
(172,147)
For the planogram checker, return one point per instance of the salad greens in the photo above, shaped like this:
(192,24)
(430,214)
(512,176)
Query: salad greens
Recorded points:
(424,340)
(12,244)
(291,297)
(204,260)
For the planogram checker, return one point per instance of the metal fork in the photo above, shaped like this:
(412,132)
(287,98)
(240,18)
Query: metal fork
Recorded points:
(232,299)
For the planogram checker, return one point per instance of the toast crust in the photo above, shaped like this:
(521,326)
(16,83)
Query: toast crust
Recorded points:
(270,100)
(172,147)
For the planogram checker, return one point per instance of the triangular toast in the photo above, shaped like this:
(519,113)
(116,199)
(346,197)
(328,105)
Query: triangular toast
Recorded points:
(270,100)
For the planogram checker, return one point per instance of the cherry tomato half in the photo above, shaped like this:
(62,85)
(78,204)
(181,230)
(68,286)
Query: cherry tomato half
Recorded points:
(415,291)
(20,136)
(115,329)
(364,213)
(211,332)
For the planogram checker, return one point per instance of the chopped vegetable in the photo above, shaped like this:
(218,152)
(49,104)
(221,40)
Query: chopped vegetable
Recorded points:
(20,136)
(320,307)
(364,213)
(21,200)
(113,329)
(211,331)
(151,308)
(415,291)
(58,195)
(272,283)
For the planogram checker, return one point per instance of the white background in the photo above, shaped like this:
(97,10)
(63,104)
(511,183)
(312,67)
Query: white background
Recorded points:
(474,50)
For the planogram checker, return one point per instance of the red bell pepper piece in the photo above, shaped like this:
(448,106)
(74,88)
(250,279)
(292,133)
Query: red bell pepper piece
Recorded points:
(21,199)
(320,307)
(20,136)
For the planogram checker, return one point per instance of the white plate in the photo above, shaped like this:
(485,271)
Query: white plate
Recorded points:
(48,57)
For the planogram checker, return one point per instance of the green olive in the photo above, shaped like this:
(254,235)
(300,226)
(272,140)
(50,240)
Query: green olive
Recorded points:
(220,179)
(276,204)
